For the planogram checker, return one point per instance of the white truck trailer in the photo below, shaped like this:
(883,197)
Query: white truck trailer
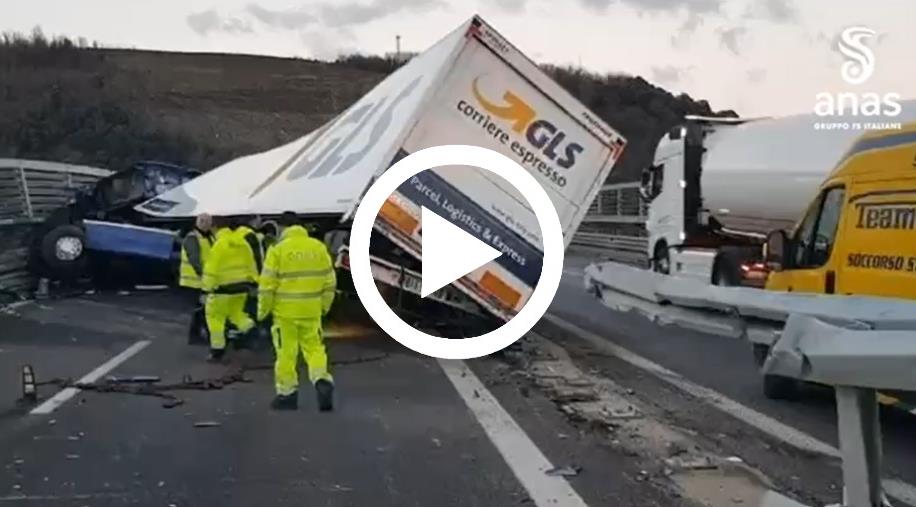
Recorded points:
(472,88)
(718,186)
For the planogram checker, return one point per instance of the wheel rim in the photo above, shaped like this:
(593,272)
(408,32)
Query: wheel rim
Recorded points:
(68,248)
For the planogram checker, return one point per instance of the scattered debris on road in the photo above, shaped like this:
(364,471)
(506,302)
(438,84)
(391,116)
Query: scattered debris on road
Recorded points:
(207,424)
(566,471)
(136,379)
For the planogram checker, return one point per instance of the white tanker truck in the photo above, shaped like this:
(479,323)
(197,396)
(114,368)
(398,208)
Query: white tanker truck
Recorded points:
(718,186)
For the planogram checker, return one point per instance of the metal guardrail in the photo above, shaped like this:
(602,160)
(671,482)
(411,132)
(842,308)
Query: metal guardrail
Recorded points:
(618,203)
(29,191)
(858,363)
(621,243)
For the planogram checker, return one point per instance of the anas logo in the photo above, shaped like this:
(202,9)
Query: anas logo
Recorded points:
(860,63)
(858,68)
(540,133)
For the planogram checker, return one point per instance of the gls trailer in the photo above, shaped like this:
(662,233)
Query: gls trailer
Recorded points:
(471,88)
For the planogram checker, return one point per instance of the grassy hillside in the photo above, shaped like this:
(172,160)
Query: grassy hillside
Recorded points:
(66,101)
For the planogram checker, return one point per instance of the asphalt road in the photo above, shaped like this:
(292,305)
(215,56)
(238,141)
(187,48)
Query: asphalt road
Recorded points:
(402,433)
(405,431)
(724,365)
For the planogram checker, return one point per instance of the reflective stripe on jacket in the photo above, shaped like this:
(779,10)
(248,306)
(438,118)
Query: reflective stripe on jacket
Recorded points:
(195,249)
(230,263)
(298,280)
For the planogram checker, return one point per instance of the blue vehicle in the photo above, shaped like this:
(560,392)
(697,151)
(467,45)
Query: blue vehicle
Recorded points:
(100,228)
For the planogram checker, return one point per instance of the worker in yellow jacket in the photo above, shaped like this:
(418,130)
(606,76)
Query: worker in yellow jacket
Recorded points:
(195,248)
(297,288)
(229,277)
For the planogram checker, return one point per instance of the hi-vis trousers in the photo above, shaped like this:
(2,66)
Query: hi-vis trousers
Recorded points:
(292,336)
(222,307)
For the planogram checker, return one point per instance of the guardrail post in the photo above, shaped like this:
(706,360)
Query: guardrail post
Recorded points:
(860,446)
(24,185)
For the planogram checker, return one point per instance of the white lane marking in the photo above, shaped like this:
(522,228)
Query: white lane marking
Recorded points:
(524,458)
(62,396)
(750,416)
(898,489)
(54,498)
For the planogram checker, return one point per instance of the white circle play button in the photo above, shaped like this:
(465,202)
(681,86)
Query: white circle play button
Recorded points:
(448,252)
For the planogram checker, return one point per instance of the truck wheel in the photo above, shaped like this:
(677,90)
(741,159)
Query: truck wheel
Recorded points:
(661,259)
(63,252)
(725,272)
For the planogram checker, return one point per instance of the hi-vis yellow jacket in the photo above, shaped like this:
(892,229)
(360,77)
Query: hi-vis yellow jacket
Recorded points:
(298,281)
(195,249)
(255,241)
(230,268)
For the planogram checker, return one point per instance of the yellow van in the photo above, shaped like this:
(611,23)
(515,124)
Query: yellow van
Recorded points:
(858,236)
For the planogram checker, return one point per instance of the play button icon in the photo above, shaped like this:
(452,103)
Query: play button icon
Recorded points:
(448,252)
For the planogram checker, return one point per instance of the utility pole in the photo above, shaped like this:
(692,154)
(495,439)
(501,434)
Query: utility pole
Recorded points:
(397,47)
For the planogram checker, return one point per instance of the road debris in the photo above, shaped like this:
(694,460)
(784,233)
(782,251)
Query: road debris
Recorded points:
(151,287)
(691,463)
(734,459)
(566,471)
(136,379)
(73,456)
(207,424)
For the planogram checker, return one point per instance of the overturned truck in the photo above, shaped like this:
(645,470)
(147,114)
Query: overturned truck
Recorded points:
(470,88)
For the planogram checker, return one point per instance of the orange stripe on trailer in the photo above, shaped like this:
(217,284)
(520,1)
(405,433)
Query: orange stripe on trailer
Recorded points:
(398,217)
(502,291)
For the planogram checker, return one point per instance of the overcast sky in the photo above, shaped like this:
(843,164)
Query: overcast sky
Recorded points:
(760,57)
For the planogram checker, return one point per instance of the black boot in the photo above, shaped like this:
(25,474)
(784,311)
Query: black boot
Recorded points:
(216,355)
(285,402)
(325,392)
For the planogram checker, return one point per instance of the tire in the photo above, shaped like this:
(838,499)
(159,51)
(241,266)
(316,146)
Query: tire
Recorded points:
(64,253)
(726,271)
(661,259)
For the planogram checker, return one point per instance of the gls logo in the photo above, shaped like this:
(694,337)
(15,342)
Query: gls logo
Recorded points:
(856,70)
(542,134)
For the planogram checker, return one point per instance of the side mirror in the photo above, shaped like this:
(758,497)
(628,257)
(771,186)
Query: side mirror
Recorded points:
(776,250)
(645,185)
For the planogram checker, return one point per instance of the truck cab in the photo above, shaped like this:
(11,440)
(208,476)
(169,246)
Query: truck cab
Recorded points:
(684,238)
(62,242)
(858,235)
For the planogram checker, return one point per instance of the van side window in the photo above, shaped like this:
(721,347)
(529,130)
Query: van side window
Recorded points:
(815,238)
